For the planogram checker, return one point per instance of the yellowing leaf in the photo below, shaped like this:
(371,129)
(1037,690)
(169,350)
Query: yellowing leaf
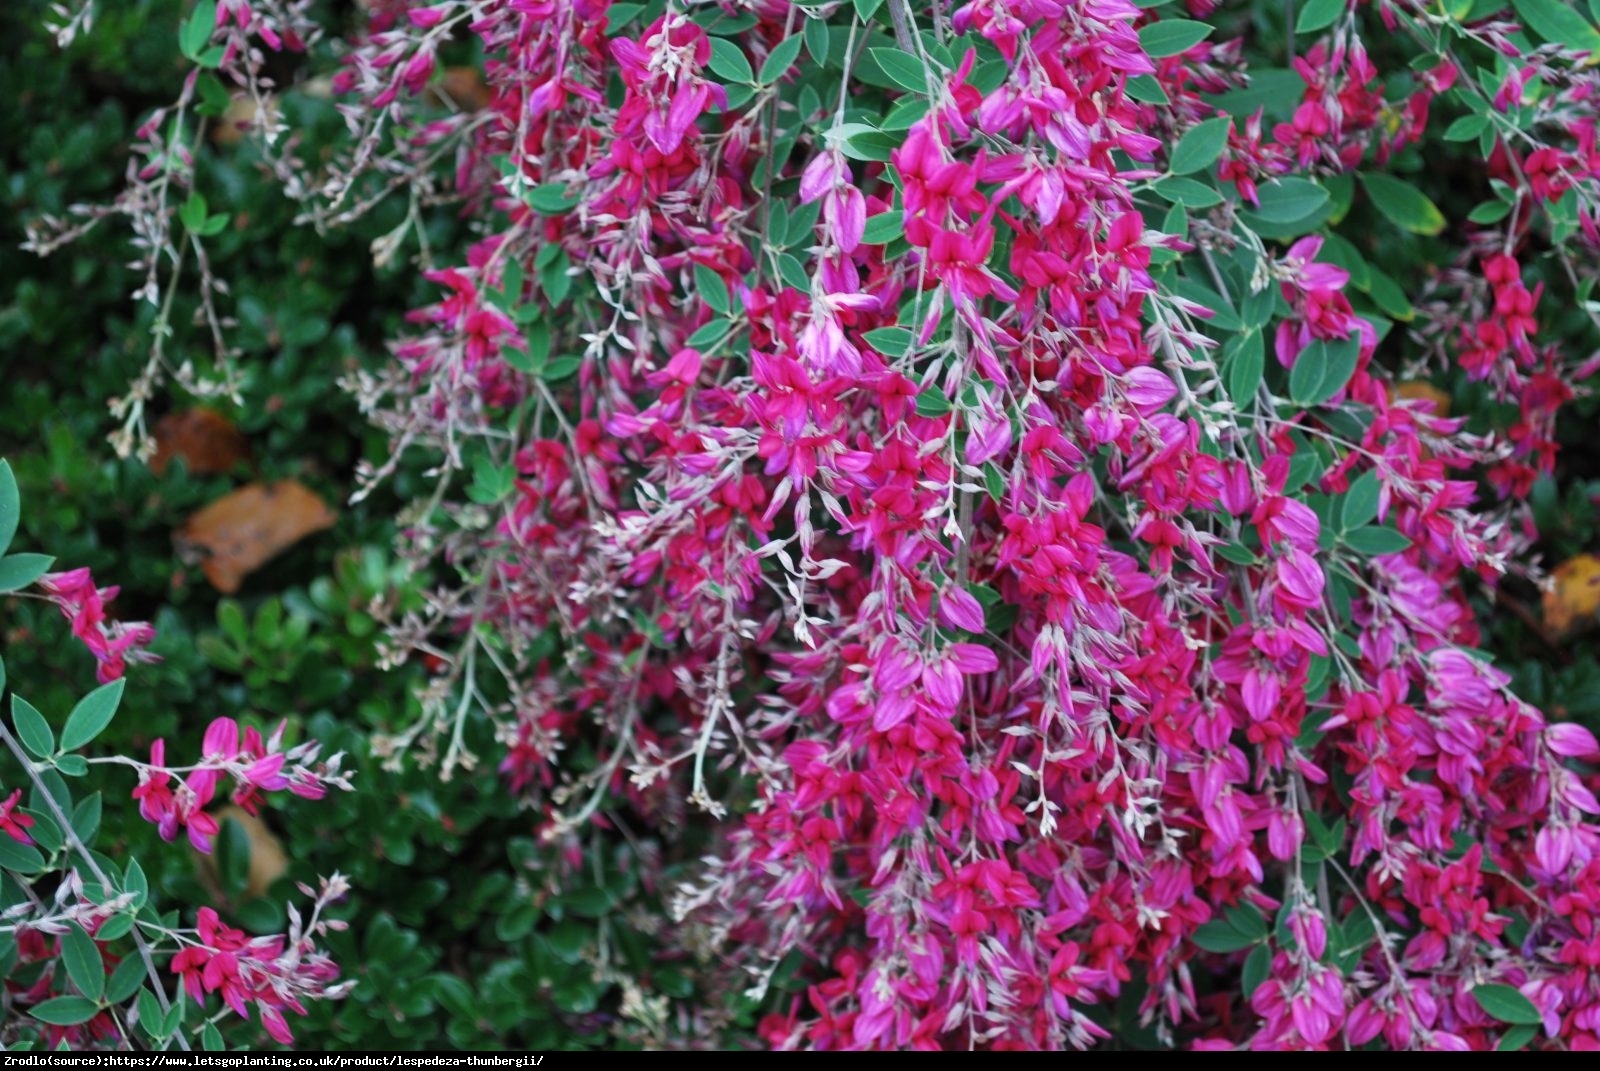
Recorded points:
(1572,592)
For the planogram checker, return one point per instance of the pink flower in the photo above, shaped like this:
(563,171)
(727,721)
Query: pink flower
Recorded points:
(113,643)
(12,824)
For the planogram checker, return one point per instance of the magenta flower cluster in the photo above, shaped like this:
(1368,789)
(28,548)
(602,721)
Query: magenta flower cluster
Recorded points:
(924,483)
(856,430)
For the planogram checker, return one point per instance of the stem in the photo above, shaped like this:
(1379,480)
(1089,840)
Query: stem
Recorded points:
(78,846)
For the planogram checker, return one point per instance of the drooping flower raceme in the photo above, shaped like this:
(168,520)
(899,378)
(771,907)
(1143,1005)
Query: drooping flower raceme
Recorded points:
(954,450)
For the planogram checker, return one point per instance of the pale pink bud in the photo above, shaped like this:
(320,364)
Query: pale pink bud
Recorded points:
(973,658)
(221,739)
(1149,389)
(1573,741)
(959,609)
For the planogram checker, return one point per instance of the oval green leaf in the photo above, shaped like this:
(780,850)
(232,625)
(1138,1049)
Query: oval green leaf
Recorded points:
(17,571)
(1403,204)
(1200,146)
(1506,1004)
(65,1011)
(32,728)
(84,965)
(92,714)
(1172,36)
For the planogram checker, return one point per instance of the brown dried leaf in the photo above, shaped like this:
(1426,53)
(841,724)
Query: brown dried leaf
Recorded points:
(242,116)
(1427,391)
(461,88)
(238,533)
(207,441)
(1572,593)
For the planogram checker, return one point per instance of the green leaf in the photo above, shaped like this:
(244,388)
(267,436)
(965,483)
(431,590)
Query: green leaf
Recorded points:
(85,817)
(1374,540)
(1403,204)
(84,966)
(1237,553)
(53,785)
(994,481)
(214,98)
(32,728)
(710,333)
(10,506)
(1504,1003)
(551,199)
(1219,936)
(801,224)
(1318,15)
(867,8)
(92,714)
(1559,22)
(114,927)
(1146,90)
(231,619)
(729,62)
(1257,966)
(149,1013)
(172,1018)
(197,29)
(1222,314)
(1187,192)
(530,361)
(561,368)
(793,273)
(1248,920)
(1516,1038)
(1245,365)
(780,59)
(1322,370)
(817,39)
(65,1011)
(1388,296)
(135,882)
(22,858)
(868,143)
(1360,503)
(128,976)
(211,1039)
(233,856)
(1490,212)
(45,832)
(902,68)
(1172,36)
(17,571)
(619,15)
(883,228)
(193,213)
(1200,146)
(713,291)
(72,765)
(889,341)
(932,403)
(1466,128)
(1290,200)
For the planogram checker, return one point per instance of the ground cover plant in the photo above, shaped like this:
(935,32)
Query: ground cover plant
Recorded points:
(959,525)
